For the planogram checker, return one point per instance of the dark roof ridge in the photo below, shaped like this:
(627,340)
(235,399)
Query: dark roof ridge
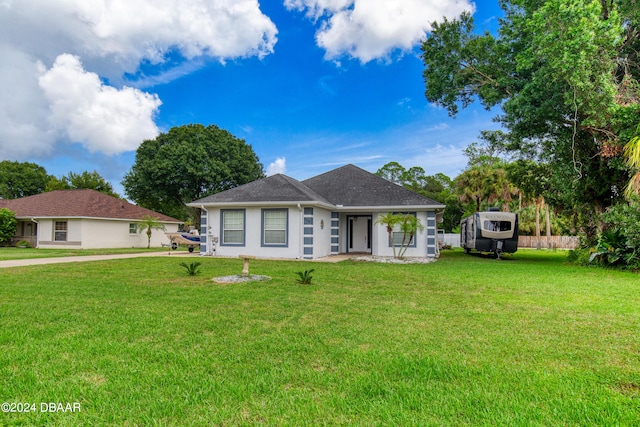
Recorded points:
(273,188)
(351,185)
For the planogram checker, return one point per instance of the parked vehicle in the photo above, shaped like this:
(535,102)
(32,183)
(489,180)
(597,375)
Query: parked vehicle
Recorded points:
(191,240)
(490,232)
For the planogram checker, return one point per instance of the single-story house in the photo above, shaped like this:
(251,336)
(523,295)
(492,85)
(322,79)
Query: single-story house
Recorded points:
(332,213)
(83,219)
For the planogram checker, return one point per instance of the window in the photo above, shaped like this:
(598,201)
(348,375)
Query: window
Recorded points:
(133,228)
(232,227)
(274,227)
(60,231)
(497,225)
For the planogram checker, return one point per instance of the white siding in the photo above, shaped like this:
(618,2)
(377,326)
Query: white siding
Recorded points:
(253,234)
(380,238)
(309,234)
(88,233)
(321,233)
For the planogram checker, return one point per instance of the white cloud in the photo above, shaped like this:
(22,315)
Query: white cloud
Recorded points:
(125,32)
(447,159)
(373,29)
(22,110)
(111,38)
(439,126)
(279,165)
(100,117)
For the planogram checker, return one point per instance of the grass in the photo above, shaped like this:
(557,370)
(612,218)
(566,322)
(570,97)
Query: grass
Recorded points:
(464,341)
(13,253)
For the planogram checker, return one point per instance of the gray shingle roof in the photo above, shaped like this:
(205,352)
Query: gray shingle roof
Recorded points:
(275,188)
(347,186)
(352,186)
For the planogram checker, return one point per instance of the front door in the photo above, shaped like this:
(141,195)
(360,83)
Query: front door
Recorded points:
(360,234)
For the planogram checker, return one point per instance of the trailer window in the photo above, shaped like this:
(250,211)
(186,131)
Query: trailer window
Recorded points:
(497,225)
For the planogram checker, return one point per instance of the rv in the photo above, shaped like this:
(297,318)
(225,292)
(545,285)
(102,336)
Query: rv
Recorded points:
(491,231)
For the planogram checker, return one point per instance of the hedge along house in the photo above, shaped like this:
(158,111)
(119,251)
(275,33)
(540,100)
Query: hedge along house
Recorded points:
(332,213)
(83,219)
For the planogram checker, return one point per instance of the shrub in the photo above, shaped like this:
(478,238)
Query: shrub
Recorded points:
(305,277)
(8,225)
(612,250)
(193,268)
(579,256)
(23,244)
(619,245)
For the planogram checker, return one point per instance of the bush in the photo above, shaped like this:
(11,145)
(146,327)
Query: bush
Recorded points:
(193,268)
(613,250)
(23,244)
(305,277)
(579,256)
(619,244)
(8,225)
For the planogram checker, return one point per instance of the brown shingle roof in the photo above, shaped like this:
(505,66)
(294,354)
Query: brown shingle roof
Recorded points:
(79,203)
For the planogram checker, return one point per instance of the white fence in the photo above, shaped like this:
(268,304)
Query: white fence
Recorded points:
(450,239)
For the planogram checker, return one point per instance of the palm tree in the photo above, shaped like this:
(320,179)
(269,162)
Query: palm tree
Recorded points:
(473,186)
(389,220)
(632,152)
(408,224)
(149,223)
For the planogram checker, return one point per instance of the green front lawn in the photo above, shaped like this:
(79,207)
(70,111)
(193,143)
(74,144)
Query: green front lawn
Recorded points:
(10,253)
(464,341)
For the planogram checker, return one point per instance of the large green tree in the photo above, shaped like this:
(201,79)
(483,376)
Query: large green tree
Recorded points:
(564,73)
(21,179)
(85,180)
(438,187)
(187,163)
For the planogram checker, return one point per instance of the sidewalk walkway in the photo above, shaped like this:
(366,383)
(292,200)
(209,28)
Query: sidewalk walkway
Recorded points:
(58,260)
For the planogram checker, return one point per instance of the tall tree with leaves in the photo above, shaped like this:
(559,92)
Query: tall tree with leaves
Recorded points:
(565,74)
(21,179)
(85,180)
(187,163)
(438,187)
(392,171)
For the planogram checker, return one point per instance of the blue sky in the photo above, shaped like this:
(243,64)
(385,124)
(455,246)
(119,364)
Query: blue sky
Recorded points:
(310,84)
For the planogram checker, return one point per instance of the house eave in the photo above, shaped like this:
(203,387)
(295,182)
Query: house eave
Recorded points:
(390,208)
(339,208)
(306,203)
(39,217)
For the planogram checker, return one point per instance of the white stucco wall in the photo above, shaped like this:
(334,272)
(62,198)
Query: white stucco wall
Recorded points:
(381,239)
(310,234)
(253,234)
(91,233)
(321,233)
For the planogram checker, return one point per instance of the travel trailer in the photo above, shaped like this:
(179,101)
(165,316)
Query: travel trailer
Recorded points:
(490,232)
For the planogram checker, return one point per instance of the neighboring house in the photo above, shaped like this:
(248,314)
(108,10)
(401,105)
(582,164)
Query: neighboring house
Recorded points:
(332,213)
(83,219)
